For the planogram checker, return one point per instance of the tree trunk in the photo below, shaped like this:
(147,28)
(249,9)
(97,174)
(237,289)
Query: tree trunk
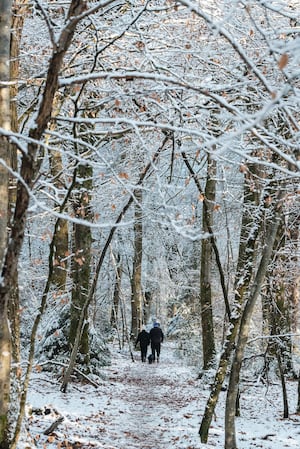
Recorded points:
(61,244)
(136,282)
(81,269)
(30,164)
(246,262)
(60,269)
(212,237)
(117,293)
(281,293)
(294,274)
(208,339)
(148,298)
(230,437)
(25,382)
(19,12)
(5,359)
(5,120)
(283,386)
(298,401)
(5,123)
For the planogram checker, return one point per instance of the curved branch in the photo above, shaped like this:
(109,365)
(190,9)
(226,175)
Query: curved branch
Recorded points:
(92,290)
(211,232)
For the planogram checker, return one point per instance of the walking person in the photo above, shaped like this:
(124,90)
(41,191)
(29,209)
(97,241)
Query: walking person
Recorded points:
(156,338)
(144,339)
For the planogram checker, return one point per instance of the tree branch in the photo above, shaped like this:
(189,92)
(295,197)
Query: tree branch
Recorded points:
(211,232)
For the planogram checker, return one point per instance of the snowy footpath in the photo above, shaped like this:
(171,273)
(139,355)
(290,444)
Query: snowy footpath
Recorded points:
(156,406)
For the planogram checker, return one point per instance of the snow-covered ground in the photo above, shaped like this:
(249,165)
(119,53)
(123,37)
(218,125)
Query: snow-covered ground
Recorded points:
(156,406)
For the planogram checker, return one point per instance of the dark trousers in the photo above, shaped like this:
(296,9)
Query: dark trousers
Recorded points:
(155,348)
(144,353)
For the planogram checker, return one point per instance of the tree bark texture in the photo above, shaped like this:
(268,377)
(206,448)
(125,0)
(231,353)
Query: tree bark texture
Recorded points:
(19,11)
(230,434)
(5,123)
(61,244)
(283,387)
(117,293)
(5,360)
(148,299)
(280,292)
(208,338)
(136,282)
(210,230)
(81,262)
(246,260)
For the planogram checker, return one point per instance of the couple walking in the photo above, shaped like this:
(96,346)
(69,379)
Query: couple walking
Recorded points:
(155,337)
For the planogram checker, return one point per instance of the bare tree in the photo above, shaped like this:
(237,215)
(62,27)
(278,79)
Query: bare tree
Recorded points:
(164,88)
(136,281)
(30,165)
(273,223)
(61,243)
(250,227)
(144,173)
(208,338)
(117,291)
(279,293)
(5,124)
(82,243)
(81,266)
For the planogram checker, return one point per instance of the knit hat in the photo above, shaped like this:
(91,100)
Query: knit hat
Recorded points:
(156,324)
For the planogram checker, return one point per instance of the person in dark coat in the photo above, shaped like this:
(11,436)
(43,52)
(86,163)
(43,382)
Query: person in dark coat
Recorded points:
(144,339)
(156,338)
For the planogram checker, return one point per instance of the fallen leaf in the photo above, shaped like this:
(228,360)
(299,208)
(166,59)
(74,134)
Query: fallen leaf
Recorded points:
(284,59)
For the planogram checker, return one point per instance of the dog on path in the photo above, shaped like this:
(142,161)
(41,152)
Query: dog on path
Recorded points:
(151,359)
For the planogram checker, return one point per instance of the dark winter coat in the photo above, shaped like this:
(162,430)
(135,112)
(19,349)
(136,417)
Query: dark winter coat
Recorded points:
(143,338)
(156,335)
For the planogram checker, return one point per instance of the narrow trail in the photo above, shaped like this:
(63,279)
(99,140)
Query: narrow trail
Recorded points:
(158,406)
(135,406)
(154,401)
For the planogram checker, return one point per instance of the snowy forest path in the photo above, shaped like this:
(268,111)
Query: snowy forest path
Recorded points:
(155,401)
(158,406)
(135,406)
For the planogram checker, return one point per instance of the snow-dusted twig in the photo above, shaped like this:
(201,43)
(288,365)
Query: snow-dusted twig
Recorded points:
(54,425)
(76,370)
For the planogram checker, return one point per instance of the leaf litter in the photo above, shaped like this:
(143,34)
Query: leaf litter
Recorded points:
(157,406)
